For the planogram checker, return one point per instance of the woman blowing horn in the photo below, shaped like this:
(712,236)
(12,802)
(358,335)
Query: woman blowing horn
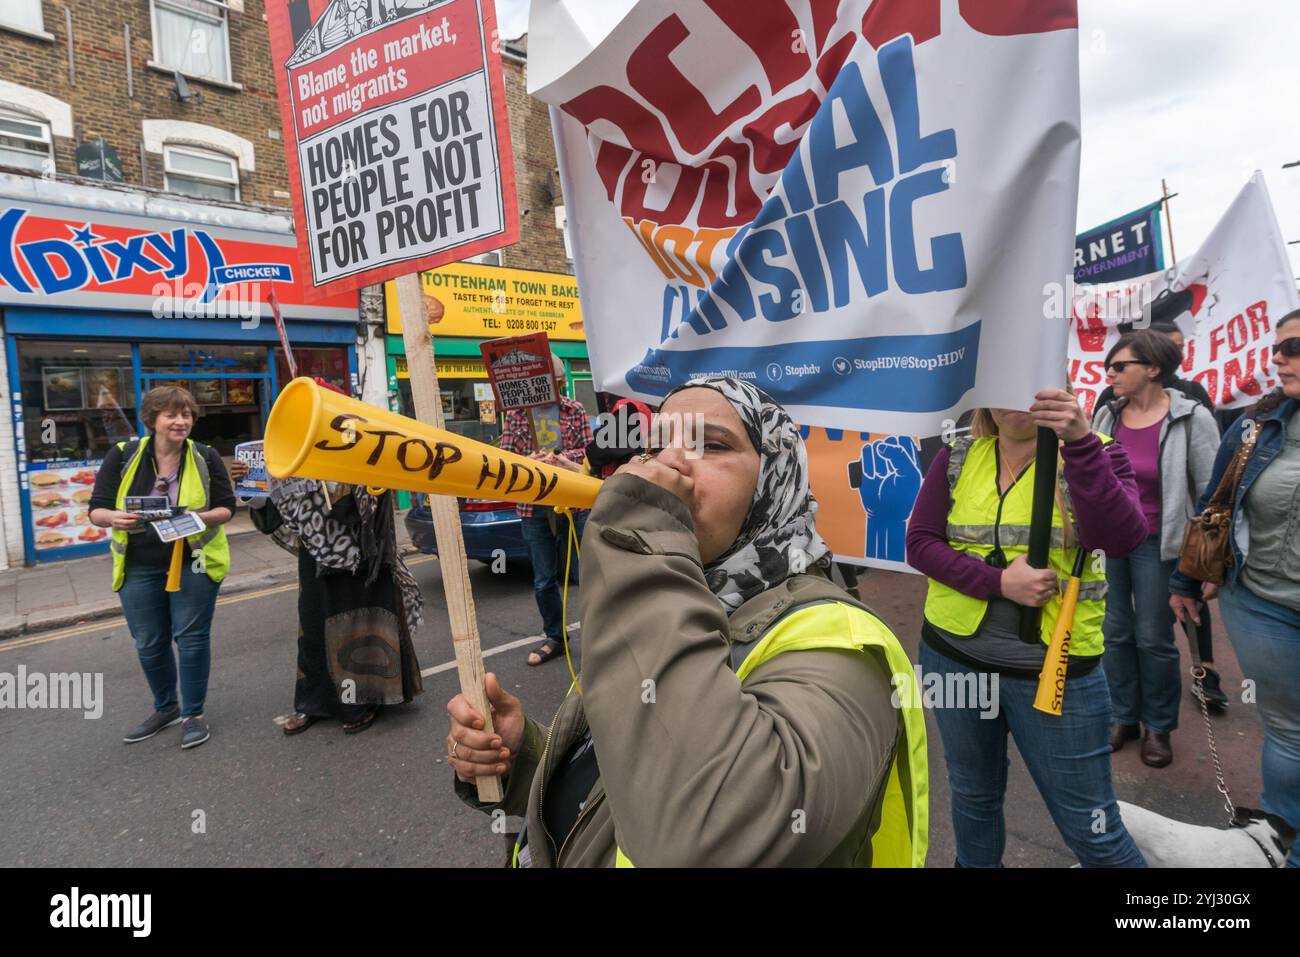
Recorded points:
(733,708)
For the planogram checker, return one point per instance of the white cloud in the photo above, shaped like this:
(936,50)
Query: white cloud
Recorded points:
(512,18)
(1200,94)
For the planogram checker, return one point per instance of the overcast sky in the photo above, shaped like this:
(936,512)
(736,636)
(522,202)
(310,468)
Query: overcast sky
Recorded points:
(1199,93)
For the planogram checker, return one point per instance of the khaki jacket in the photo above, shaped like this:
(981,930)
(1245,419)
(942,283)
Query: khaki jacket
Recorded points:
(696,768)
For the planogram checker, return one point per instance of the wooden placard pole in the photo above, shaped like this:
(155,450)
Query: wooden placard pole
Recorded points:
(446,515)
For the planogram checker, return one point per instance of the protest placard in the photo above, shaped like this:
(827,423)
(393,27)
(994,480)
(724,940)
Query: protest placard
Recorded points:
(397,139)
(520,370)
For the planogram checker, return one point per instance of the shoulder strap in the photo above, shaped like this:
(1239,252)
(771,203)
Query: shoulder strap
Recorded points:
(960,448)
(1226,493)
(756,617)
(129,450)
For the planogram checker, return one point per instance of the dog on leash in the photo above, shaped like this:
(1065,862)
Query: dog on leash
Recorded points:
(1255,839)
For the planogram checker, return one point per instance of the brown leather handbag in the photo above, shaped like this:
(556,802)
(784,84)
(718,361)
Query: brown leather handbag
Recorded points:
(1207,551)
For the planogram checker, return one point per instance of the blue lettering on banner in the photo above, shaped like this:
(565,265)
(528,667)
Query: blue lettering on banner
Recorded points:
(926,373)
(812,247)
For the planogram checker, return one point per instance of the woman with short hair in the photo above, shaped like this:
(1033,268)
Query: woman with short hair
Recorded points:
(192,476)
(1171,441)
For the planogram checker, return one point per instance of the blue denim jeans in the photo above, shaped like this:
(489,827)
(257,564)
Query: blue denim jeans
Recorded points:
(1266,637)
(1141,657)
(156,618)
(547,551)
(1068,758)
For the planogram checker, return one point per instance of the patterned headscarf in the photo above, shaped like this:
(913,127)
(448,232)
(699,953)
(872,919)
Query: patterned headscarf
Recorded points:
(779,535)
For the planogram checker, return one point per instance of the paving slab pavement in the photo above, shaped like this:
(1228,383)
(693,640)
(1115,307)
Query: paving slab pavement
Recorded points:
(57,594)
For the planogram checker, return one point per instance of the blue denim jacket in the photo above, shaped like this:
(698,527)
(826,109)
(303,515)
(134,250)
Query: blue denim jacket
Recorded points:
(1268,443)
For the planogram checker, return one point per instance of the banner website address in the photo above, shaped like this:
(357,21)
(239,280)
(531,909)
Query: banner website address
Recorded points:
(928,363)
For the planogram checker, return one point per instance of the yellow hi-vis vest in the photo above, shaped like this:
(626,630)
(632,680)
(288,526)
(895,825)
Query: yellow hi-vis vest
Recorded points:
(902,837)
(981,519)
(195,493)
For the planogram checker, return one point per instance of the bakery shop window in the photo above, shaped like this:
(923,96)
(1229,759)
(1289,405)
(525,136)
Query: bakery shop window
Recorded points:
(230,406)
(78,399)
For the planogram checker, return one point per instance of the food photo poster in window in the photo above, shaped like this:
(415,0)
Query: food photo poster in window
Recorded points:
(240,392)
(208,391)
(103,387)
(60,499)
(63,389)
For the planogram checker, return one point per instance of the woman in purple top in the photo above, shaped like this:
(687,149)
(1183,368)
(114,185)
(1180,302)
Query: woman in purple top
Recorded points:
(1171,441)
(1066,754)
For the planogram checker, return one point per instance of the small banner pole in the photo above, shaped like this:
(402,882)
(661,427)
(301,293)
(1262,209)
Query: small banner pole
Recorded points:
(1040,523)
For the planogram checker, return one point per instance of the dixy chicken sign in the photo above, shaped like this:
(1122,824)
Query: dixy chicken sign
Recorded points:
(108,260)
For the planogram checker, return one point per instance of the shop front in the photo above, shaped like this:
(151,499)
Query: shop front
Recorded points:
(467,304)
(160,302)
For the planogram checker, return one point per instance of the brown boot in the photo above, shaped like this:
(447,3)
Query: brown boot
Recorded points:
(1156,750)
(1119,733)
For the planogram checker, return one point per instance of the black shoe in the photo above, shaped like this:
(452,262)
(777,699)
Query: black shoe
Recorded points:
(195,732)
(153,724)
(1214,696)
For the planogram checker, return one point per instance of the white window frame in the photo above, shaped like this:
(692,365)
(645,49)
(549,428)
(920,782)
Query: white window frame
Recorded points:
(492,258)
(37,30)
(221,12)
(170,148)
(47,140)
(562,224)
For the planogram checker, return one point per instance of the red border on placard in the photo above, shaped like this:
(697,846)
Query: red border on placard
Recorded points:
(282,48)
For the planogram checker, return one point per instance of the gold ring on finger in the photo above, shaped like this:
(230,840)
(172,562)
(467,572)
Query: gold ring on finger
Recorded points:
(454,745)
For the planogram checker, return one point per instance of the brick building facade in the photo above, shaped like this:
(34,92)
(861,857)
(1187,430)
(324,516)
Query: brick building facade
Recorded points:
(541,240)
(183,93)
(108,72)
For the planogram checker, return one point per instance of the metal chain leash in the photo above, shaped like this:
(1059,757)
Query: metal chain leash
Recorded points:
(1198,689)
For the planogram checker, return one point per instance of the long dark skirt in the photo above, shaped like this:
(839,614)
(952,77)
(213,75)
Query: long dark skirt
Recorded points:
(354,647)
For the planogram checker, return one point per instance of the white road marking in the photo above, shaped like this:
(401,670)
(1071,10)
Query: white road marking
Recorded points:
(508,646)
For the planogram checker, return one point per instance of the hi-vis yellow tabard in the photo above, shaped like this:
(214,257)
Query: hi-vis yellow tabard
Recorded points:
(195,493)
(981,519)
(902,837)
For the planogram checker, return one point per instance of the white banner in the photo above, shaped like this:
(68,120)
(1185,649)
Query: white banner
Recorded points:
(855,205)
(1225,298)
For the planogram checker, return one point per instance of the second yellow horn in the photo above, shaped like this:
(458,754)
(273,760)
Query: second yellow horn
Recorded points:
(319,434)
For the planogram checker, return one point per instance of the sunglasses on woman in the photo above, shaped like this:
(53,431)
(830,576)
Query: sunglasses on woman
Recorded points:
(1287,347)
(1119,366)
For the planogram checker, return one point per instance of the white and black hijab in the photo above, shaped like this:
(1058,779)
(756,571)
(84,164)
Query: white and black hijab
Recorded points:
(779,535)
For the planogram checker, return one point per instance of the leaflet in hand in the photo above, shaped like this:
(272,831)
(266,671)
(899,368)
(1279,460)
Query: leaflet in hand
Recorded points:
(182,526)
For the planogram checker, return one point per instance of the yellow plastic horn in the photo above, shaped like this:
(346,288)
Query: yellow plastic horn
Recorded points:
(317,433)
